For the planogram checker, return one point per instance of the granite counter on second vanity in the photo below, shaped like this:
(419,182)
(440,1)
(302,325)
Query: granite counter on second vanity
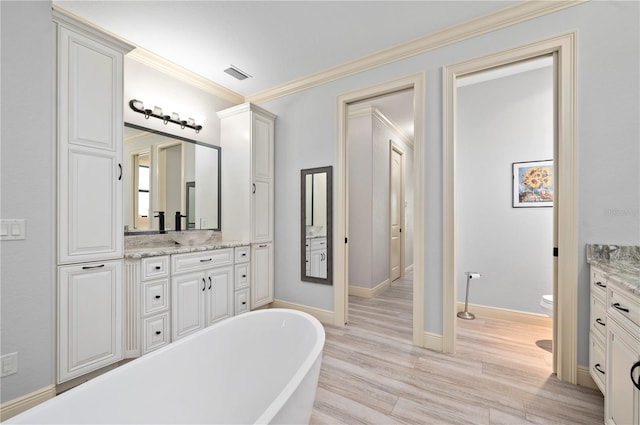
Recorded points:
(157,250)
(620,264)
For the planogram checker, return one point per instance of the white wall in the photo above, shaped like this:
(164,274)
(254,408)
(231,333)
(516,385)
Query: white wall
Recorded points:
(608,133)
(368,143)
(28,266)
(502,121)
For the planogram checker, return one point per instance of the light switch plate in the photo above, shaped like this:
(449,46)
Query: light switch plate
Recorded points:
(8,364)
(12,229)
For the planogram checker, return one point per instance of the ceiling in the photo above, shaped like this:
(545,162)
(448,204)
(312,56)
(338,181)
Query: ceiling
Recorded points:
(273,41)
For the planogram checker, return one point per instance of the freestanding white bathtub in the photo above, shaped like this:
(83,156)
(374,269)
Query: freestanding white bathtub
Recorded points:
(260,367)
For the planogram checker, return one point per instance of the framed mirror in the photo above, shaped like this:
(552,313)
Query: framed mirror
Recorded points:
(316,232)
(164,172)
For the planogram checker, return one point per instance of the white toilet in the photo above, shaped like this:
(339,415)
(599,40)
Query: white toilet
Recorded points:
(547,304)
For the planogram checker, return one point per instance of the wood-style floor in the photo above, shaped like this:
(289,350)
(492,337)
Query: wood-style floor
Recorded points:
(501,373)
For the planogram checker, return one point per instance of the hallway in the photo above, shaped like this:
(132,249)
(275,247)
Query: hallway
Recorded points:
(372,374)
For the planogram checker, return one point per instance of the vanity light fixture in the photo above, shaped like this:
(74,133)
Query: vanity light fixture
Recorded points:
(138,106)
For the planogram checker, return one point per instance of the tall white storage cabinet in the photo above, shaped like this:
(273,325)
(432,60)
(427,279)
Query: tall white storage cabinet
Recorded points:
(90,233)
(247,140)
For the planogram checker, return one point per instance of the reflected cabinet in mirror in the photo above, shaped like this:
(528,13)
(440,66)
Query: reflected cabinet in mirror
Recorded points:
(316,231)
(169,181)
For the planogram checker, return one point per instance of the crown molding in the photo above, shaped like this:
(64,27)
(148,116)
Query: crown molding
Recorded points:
(374,112)
(502,18)
(161,64)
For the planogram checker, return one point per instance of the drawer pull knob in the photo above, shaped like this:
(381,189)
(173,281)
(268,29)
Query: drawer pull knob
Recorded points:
(244,254)
(204,284)
(209,282)
(208,259)
(158,332)
(617,305)
(600,322)
(157,297)
(92,267)
(597,367)
(244,302)
(244,275)
(600,284)
(157,267)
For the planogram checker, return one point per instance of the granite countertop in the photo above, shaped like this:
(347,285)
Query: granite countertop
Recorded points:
(621,264)
(162,244)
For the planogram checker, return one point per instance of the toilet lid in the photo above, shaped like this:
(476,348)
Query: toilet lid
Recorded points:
(547,299)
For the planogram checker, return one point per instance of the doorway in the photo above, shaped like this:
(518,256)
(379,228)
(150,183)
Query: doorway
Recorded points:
(504,215)
(565,203)
(343,173)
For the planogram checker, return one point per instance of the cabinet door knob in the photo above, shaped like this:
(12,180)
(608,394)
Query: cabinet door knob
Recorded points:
(120,167)
(244,275)
(597,367)
(244,302)
(158,332)
(204,284)
(157,297)
(600,284)
(633,379)
(157,267)
(600,322)
(209,282)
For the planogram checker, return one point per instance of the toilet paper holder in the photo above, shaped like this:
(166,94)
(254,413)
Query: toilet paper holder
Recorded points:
(465,314)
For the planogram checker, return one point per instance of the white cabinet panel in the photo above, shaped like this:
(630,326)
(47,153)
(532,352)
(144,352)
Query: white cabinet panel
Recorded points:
(622,401)
(187,303)
(262,147)
(219,294)
(262,275)
(242,301)
(89,317)
(155,332)
(262,220)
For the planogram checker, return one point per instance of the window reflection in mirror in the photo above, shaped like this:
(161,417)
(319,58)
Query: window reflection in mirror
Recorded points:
(316,230)
(160,174)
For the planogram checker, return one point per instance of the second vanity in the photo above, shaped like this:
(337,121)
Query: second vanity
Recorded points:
(172,290)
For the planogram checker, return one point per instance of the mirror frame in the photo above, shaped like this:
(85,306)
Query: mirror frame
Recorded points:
(195,142)
(303,228)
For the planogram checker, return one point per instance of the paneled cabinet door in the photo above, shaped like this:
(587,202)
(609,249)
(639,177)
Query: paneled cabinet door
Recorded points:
(89,149)
(622,401)
(261,274)
(89,317)
(188,303)
(219,294)
(262,157)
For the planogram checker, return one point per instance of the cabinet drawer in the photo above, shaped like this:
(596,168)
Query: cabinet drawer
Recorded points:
(155,332)
(597,360)
(242,301)
(318,243)
(155,296)
(242,275)
(598,284)
(621,305)
(202,260)
(242,254)
(598,315)
(155,267)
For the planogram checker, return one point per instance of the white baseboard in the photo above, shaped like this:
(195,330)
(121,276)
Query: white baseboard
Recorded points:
(408,269)
(585,379)
(359,291)
(18,405)
(324,316)
(432,341)
(505,314)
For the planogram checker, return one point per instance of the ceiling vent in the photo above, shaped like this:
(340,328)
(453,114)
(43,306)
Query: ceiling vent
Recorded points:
(237,73)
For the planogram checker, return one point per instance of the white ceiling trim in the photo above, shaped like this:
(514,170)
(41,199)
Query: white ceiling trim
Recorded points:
(374,112)
(477,26)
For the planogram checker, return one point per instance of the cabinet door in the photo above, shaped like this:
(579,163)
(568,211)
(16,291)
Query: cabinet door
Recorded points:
(261,275)
(219,294)
(89,317)
(89,149)
(188,303)
(262,215)
(622,401)
(262,160)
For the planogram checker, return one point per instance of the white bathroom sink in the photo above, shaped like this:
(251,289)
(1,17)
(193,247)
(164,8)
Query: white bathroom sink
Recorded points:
(191,237)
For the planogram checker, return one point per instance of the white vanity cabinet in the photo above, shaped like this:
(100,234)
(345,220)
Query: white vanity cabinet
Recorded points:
(155,324)
(202,290)
(242,279)
(247,140)
(89,102)
(597,330)
(317,257)
(622,400)
(89,317)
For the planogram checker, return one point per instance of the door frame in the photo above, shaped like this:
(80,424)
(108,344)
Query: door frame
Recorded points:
(394,147)
(563,47)
(341,197)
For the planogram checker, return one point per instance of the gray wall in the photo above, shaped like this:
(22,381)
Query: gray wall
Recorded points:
(27,187)
(608,150)
(502,121)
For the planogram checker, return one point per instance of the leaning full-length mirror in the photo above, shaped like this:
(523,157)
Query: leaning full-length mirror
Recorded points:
(316,231)
(174,175)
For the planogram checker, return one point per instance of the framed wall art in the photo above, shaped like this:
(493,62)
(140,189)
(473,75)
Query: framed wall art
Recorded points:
(532,184)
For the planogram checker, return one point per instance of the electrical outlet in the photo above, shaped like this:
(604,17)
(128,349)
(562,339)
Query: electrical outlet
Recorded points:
(8,364)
